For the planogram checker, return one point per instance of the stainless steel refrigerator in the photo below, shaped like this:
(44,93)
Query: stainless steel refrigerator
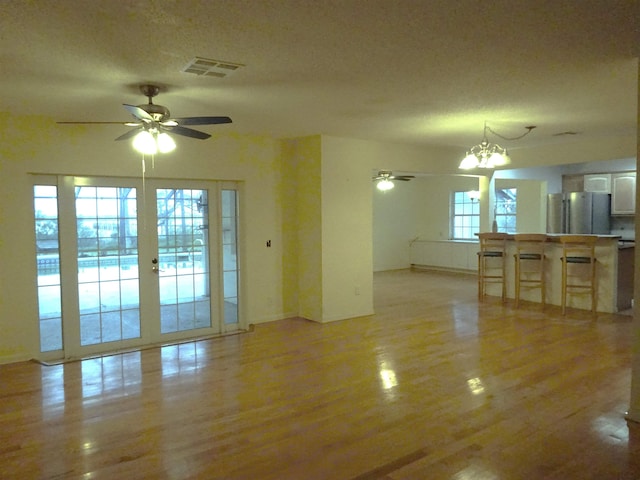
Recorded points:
(579,212)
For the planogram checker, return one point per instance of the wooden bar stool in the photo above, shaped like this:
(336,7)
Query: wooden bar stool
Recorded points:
(491,261)
(579,252)
(530,252)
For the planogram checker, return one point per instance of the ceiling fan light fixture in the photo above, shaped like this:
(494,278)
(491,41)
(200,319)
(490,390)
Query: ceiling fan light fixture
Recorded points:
(144,143)
(151,119)
(384,185)
(165,143)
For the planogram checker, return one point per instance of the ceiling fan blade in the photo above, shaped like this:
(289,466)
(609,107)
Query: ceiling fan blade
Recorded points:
(129,134)
(404,178)
(202,120)
(189,132)
(138,113)
(90,123)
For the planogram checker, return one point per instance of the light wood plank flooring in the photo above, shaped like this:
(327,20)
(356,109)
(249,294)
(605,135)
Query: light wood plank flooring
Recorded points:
(434,386)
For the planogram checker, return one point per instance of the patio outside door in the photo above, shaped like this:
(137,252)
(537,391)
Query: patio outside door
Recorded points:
(147,270)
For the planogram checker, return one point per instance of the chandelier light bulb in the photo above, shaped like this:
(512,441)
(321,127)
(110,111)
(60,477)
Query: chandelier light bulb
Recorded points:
(469,162)
(498,159)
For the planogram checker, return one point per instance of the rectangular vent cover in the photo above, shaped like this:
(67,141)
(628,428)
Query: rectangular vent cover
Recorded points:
(211,68)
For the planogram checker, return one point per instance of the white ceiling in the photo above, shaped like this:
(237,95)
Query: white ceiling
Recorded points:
(410,71)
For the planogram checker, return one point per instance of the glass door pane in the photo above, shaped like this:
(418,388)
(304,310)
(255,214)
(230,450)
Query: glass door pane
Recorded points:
(108,280)
(229,199)
(183,259)
(45,200)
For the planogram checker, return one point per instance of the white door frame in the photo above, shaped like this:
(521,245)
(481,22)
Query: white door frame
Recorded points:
(147,249)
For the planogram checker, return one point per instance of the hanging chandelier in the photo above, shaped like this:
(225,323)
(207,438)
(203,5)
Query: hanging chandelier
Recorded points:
(487,154)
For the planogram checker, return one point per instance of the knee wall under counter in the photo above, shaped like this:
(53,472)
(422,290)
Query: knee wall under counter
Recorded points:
(462,256)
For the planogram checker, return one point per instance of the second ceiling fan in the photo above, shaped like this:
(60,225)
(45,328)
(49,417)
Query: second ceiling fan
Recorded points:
(384,179)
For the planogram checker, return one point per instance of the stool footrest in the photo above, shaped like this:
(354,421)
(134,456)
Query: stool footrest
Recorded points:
(530,256)
(490,254)
(577,259)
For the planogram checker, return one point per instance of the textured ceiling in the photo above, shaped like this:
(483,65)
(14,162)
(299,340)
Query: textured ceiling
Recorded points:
(419,72)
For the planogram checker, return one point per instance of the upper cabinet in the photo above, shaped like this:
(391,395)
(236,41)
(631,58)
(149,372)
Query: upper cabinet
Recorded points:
(597,182)
(623,193)
(572,183)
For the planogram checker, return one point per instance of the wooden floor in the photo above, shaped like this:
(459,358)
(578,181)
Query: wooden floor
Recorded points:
(434,386)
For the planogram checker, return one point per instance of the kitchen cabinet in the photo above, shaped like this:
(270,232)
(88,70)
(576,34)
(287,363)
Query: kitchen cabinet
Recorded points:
(572,183)
(623,193)
(597,182)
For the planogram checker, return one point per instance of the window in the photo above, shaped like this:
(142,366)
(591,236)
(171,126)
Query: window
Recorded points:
(465,218)
(506,209)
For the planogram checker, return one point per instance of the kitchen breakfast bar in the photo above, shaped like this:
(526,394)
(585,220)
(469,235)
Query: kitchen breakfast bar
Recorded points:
(613,274)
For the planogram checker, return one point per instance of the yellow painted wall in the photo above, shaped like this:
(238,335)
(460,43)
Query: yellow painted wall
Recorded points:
(32,145)
(304,158)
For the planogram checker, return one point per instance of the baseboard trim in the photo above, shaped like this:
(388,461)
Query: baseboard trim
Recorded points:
(432,268)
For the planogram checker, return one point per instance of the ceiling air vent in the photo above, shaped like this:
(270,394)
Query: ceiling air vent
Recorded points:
(211,68)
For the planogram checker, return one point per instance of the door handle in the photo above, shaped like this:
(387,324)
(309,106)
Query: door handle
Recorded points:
(155,268)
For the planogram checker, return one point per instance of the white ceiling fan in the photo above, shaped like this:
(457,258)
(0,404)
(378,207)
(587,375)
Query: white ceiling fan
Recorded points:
(385,179)
(153,122)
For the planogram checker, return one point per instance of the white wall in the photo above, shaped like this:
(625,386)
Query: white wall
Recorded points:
(395,214)
(418,209)
(531,209)
(433,222)
(347,267)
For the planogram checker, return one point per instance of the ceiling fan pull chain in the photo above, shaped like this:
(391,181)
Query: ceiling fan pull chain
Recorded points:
(144,193)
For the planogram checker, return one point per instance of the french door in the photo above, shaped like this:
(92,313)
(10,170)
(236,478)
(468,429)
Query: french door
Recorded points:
(124,264)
